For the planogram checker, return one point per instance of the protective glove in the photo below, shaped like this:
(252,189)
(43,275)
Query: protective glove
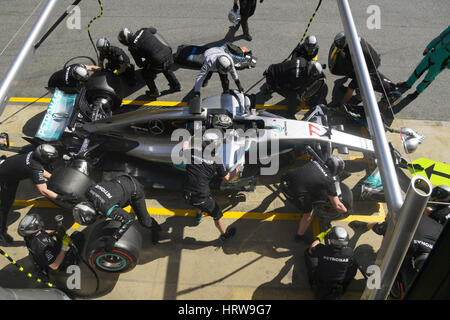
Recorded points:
(66,242)
(235,7)
(321,236)
(71,197)
(238,83)
(108,243)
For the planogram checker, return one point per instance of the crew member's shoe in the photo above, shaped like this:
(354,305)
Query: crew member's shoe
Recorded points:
(358,225)
(152,94)
(5,238)
(176,89)
(412,96)
(403,87)
(248,37)
(380,228)
(198,217)
(227,235)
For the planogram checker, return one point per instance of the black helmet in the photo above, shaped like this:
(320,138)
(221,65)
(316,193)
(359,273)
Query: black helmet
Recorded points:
(314,69)
(441,193)
(84,213)
(30,225)
(310,44)
(337,237)
(45,153)
(102,44)
(224,64)
(80,72)
(124,36)
(335,164)
(339,40)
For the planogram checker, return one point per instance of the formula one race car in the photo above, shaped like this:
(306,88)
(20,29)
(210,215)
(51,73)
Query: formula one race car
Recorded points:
(99,140)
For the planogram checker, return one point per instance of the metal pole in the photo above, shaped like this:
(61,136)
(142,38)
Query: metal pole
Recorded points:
(376,126)
(403,217)
(11,79)
(401,236)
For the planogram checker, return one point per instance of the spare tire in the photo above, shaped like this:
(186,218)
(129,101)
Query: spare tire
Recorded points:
(122,258)
(67,180)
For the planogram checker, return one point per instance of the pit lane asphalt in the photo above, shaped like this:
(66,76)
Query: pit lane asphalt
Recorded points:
(262,261)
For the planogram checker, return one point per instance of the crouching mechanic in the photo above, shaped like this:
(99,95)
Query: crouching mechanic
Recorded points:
(309,183)
(216,60)
(331,266)
(20,167)
(118,61)
(199,173)
(70,78)
(49,250)
(108,198)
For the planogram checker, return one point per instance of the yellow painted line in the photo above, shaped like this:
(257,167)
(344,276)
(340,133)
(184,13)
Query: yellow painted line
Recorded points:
(227,215)
(302,106)
(24,99)
(380,217)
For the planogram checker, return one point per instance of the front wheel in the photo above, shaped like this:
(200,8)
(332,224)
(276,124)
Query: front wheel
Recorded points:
(122,258)
(116,261)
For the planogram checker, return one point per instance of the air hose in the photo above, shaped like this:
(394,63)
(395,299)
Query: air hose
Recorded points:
(29,275)
(89,27)
(301,40)
(59,219)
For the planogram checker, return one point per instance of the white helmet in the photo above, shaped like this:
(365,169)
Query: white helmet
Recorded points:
(124,36)
(80,72)
(314,69)
(234,17)
(224,64)
(102,44)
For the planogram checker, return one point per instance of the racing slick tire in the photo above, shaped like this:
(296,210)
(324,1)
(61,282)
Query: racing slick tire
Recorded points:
(324,209)
(122,258)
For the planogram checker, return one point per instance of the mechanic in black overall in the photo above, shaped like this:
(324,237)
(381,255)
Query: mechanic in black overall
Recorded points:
(341,64)
(117,59)
(290,78)
(308,49)
(70,78)
(20,167)
(247,10)
(152,53)
(48,249)
(309,183)
(199,172)
(331,266)
(108,198)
